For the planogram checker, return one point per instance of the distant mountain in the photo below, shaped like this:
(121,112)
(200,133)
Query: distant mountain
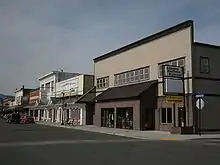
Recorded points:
(2,96)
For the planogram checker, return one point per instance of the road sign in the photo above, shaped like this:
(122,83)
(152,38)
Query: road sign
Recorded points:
(200,103)
(174,99)
(199,95)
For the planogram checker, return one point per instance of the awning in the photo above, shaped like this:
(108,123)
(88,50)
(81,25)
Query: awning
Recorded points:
(126,92)
(88,97)
(9,109)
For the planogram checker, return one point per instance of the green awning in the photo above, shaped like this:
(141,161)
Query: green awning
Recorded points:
(9,109)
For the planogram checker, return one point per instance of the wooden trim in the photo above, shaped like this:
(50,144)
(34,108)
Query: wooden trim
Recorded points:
(207,78)
(207,45)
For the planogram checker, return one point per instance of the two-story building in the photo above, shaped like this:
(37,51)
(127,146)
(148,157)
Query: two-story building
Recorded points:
(34,99)
(22,99)
(8,103)
(67,92)
(48,90)
(129,85)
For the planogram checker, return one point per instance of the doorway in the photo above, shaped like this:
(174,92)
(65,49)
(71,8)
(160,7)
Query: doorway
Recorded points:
(107,117)
(181,117)
(124,118)
(148,119)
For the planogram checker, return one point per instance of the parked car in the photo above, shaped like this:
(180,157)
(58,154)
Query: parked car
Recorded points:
(27,119)
(14,118)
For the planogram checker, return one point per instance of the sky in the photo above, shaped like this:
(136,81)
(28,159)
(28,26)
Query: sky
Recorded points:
(38,36)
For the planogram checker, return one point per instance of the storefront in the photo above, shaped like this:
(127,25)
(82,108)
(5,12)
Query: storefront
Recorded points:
(127,107)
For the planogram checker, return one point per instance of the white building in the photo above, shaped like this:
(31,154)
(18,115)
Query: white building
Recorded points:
(67,92)
(48,88)
(58,92)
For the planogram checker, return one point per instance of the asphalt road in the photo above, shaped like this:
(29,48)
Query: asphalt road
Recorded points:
(22,144)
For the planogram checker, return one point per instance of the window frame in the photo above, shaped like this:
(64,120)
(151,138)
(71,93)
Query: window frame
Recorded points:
(160,65)
(102,82)
(132,76)
(201,66)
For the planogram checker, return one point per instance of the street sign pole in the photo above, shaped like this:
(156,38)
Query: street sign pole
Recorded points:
(200,105)
(184,98)
(200,118)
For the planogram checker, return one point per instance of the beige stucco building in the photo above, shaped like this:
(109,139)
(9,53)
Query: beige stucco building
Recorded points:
(129,86)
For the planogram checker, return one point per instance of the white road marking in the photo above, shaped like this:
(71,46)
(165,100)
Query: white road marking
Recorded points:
(42,143)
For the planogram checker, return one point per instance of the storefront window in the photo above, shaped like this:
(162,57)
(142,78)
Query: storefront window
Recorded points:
(166,115)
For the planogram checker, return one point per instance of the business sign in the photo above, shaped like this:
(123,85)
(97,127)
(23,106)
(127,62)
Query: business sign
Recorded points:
(172,71)
(174,99)
(69,86)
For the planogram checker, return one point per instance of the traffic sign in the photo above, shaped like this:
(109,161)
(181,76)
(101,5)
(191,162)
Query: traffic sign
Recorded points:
(199,95)
(200,103)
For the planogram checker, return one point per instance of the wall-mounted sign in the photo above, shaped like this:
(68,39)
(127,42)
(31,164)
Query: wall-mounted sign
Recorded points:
(173,71)
(69,86)
(174,99)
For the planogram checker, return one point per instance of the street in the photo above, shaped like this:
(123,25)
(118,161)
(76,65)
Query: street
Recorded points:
(25,144)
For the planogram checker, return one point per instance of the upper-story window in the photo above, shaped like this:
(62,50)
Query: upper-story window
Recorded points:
(103,82)
(204,65)
(52,86)
(47,86)
(137,75)
(178,62)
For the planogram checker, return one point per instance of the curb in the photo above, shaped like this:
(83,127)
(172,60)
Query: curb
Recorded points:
(116,134)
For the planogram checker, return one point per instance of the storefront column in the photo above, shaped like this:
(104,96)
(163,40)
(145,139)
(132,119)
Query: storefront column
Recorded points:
(115,117)
(48,117)
(58,115)
(44,114)
(52,117)
(39,115)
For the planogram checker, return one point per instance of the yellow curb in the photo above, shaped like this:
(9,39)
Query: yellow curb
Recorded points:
(168,139)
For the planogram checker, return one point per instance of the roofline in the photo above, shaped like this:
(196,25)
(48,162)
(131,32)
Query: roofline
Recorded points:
(73,78)
(46,75)
(34,90)
(84,95)
(207,45)
(145,40)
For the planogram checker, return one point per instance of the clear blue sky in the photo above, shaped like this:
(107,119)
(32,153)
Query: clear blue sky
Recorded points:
(37,36)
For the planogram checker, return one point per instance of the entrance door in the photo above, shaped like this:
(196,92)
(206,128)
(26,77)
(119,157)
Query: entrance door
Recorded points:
(107,117)
(181,117)
(125,118)
(148,117)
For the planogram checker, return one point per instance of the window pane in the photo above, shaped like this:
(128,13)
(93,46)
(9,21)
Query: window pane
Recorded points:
(169,115)
(132,76)
(137,75)
(141,74)
(181,62)
(123,78)
(127,77)
(204,65)
(116,80)
(160,70)
(163,115)
(174,63)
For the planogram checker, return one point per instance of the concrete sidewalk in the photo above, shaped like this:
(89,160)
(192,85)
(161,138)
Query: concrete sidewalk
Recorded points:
(149,135)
